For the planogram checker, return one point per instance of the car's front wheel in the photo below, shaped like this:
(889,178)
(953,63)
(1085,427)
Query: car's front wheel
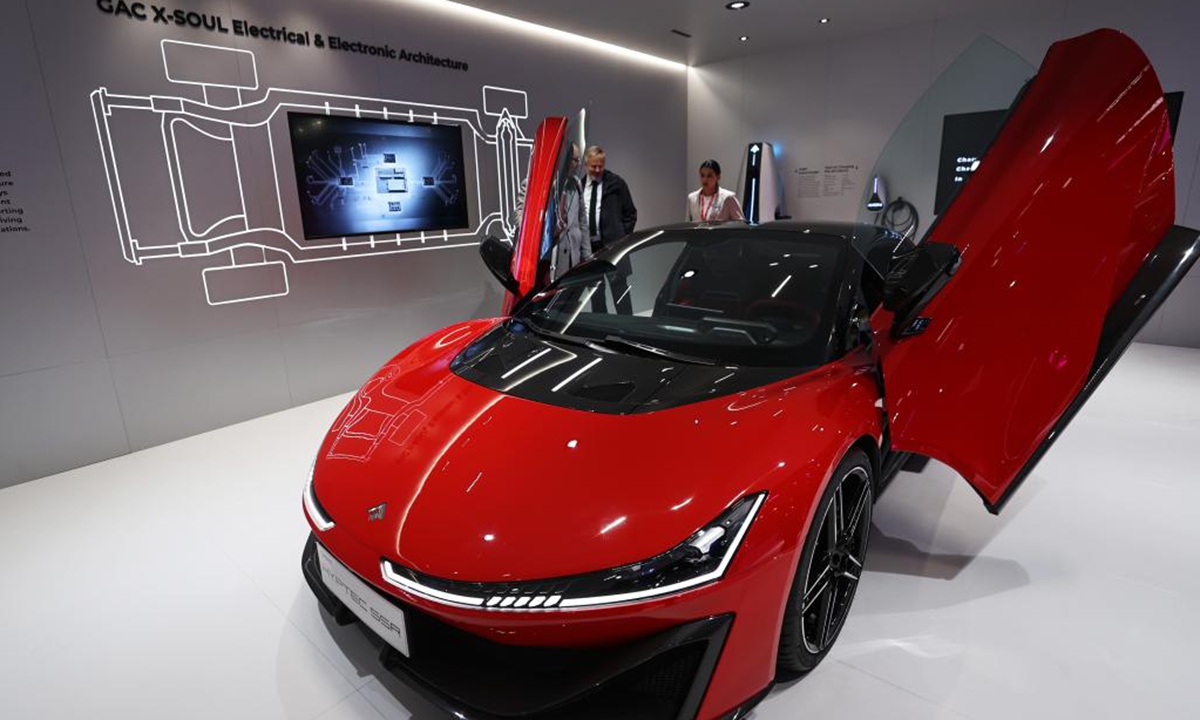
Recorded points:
(831,564)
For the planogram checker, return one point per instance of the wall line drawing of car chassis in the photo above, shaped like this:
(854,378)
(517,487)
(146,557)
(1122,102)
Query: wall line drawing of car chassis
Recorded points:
(259,245)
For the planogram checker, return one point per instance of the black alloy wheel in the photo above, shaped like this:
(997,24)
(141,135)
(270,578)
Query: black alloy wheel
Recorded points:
(831,565)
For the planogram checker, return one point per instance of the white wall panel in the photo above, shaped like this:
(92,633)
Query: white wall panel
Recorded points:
(838,103)
(70,294)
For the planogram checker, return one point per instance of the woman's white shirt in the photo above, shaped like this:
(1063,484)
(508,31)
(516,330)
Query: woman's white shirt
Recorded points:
(721,207)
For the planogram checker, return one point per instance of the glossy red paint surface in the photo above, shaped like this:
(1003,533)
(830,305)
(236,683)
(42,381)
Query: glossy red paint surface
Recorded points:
(543,163)
(1074,193)
(483,486)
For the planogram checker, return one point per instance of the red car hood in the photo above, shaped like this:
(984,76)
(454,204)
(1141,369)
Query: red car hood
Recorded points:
(483,486)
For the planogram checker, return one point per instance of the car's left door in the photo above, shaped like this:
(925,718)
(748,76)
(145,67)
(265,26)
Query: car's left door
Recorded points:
(543,224)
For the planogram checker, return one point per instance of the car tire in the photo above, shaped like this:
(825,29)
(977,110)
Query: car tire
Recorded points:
(819,601)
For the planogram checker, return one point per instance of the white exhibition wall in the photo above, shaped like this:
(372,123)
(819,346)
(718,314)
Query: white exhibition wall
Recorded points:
(104,353)
(832,108)
(106,349)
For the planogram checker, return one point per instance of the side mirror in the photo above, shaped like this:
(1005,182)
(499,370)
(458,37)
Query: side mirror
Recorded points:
(859,333)
(497,256)
(866,334)
(913,280)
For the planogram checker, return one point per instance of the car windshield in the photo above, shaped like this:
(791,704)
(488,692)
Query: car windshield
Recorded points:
(739,296)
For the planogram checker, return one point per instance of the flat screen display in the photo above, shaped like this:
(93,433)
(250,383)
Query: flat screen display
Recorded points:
(1174,105)
(965,138)
(360,176)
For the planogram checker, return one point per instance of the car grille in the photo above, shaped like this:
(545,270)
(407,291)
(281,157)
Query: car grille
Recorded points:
(660,677)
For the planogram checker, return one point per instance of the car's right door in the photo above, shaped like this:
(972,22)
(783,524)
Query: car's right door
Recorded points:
(1061,246)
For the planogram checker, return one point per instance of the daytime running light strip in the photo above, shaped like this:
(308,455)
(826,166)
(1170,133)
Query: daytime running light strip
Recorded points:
(320,519)
(394,578)
(416,588)
(679,586)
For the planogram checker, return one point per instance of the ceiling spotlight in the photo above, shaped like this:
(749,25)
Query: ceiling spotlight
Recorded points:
(744,38)
(824,21)
(737,5)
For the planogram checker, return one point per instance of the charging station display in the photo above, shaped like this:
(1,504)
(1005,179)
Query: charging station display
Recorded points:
(1174,106)
(367,177)
(965,138)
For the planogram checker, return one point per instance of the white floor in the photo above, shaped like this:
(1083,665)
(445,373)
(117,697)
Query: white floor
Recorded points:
(166,584)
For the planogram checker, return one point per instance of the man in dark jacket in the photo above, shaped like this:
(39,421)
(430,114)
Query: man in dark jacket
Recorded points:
(611,215)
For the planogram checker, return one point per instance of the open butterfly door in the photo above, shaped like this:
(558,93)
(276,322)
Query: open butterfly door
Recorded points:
(544,223)
(1039,274)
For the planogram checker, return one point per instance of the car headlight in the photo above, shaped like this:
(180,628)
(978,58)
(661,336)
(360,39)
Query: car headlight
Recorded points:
(312,506)
(702,558)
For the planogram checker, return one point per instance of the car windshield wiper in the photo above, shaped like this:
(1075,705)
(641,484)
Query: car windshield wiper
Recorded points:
(656,351)
(571,339)
(561,337)
(616,340)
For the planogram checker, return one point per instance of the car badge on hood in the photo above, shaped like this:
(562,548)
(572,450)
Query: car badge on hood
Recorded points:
(377,512)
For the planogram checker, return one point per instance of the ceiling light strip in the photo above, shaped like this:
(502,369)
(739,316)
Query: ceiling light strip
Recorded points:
(550,33)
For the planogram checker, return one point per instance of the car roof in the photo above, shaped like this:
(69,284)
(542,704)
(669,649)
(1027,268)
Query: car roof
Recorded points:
(874,243)
(849,231)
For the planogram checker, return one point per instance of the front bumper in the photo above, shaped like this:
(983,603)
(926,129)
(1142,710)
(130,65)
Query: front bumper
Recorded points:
(659,677)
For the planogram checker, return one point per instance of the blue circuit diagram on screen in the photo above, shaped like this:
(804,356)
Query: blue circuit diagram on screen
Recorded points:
(462,169)
(365,176)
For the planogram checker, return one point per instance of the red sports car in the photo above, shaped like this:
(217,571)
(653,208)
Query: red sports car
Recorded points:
(574,511)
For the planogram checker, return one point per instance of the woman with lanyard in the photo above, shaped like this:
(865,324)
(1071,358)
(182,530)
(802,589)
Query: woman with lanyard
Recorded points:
(713,203)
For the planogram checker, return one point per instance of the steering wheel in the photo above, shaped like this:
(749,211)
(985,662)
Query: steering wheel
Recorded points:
(793,312)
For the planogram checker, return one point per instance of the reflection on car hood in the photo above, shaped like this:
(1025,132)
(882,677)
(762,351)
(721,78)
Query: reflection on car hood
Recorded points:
(486,486)
(513,360)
